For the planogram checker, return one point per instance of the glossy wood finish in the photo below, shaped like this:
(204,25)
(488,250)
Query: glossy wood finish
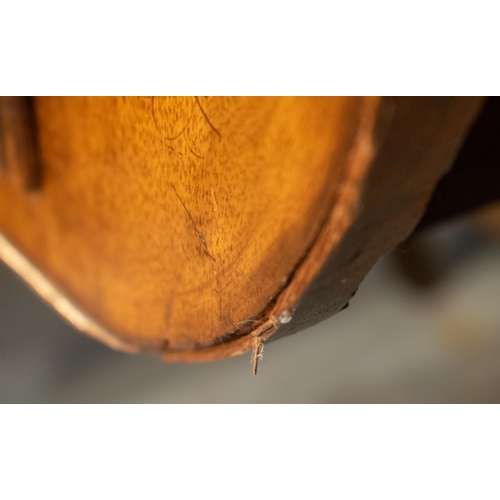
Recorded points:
(196,226)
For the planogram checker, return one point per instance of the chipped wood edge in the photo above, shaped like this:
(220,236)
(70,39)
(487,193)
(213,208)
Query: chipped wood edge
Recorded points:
(281,310)
(374,121)
(340,219)
(57,299)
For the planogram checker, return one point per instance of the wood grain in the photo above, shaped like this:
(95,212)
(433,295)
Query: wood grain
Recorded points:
(192,225)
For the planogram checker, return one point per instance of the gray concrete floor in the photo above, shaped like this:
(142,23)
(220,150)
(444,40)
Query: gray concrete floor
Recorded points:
(396,343)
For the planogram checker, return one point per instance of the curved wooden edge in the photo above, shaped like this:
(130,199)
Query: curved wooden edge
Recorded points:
(387,154)
(359,159)
(57,299)
(281,315)
(415,148)
(277,313)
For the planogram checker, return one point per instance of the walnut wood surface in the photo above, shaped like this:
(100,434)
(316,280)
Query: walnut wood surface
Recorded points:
(192,225)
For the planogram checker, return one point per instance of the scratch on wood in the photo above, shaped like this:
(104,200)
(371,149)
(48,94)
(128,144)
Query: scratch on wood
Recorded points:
(175,150)
(219,298)
(194,154)
(215,209)
(214,200)
(239,272)
(162,140)
(158,127)
(208,254)
(183,132)
(197,231)
(206,118)
(227,321)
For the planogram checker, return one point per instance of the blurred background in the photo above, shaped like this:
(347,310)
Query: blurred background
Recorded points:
(424,327)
